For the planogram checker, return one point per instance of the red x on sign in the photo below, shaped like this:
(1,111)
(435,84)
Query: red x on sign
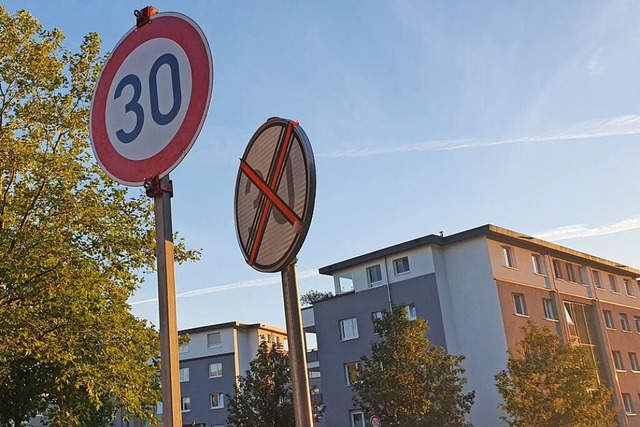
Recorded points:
(275,195)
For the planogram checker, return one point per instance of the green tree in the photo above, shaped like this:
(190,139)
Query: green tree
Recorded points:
(314,296)
(263,396)
(548,384)
(408,381)
(72,244)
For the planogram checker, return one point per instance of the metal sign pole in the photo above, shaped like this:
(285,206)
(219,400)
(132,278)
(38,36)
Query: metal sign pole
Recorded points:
(297,356)
(161,191)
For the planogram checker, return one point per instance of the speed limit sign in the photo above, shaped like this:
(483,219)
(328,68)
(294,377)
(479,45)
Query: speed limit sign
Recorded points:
(151,99)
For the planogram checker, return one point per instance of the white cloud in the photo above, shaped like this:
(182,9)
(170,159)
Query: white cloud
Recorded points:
(582,230)
(271,280)
(600,128)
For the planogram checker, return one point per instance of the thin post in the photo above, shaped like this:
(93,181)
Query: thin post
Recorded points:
(297,351)
(161,191)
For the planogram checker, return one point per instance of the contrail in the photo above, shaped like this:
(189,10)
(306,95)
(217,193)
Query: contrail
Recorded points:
(581,230)
(615,126)
(272,280)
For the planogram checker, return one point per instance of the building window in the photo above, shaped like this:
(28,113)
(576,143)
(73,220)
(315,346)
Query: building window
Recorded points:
(349,329)
(617,360)
(583,273)
(184,375)
(628,404)
(215,370)
(549,310)
(507,257)
(374,275)
(216,400)
(637,321)
(635,366)
(401,265)
(628,288)
(159,408)
(596,279)
(624,323)
(571,274)
(186,404)
(351,372)
(345,283)
(521,307)
(376,315)
(614,284)
(411,311)
(608,319)
(557,269)
(184,348)
(357,419)
(536,260)
(213,340)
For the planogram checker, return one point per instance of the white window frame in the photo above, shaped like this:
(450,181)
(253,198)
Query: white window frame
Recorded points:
(186,403)
(401,266)
(214,344)
(508,257)
(628,404)
(350,333)
(618,363)
(217,373)
(608,319)
(345,283)
(184,348)
(549,309)
(184,375)
(353,421)
(220,399)
(624,322)
(596,279)
(520,305)
(538,264)
(347,369)
(378,272)
(633,360)
(411,311)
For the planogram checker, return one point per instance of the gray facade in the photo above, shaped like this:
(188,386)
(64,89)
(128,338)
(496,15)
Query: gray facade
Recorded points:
(334,352)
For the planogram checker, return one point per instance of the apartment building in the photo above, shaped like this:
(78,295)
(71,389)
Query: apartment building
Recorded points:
(209,365)
(477,288)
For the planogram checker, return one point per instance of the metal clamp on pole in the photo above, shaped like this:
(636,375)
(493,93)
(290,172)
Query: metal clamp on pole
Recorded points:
(155,187)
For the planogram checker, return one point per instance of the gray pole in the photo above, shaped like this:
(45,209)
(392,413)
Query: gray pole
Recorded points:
(297,351)
(161,192)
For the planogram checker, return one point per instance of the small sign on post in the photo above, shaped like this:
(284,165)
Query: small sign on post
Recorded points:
(149,105)
(274,200)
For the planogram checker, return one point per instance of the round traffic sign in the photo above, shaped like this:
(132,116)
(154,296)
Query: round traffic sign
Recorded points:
(375,421)
(275,195)
(151,99)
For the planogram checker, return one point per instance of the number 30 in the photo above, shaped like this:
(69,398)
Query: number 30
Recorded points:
(134,105)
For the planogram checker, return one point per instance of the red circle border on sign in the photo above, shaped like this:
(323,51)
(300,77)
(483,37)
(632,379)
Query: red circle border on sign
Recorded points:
(190,38)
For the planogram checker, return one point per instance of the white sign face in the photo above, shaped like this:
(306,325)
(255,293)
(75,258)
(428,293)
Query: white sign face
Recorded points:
(151,99)
(148,99)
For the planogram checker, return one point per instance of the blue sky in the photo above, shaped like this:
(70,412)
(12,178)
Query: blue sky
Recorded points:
(423,116)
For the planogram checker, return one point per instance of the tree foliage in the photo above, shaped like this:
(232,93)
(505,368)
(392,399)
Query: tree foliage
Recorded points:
(548,384)
(72,244)
(314,296)
(263,396)
(408,381)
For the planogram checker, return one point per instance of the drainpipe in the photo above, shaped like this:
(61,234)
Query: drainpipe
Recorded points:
(386,272)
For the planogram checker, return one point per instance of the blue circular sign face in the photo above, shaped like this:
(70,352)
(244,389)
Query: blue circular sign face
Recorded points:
(151,99)
(275,195)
